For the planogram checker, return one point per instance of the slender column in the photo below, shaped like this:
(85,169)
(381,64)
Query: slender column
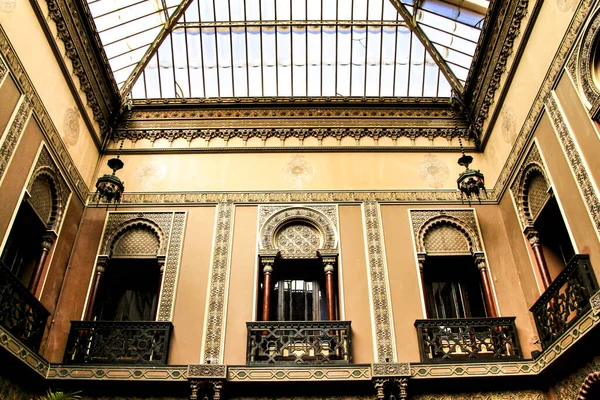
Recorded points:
(267,268)
(421,260)
(380,388)
(534,240)
(328,261)
(217,388)
(100,269)
(161,266)
(47,242)
(487,288)
(194,388)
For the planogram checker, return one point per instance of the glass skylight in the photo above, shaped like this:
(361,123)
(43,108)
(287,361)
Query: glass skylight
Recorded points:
(288,48)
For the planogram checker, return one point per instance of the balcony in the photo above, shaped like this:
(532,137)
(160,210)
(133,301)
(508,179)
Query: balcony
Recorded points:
(20,311)
(106,342)
(565,300)
(468,340)
(299,342)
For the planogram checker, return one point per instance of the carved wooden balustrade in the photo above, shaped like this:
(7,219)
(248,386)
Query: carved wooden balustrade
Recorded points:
(106,342)
(20,311)
(565,300)
(299,342)
(468,339)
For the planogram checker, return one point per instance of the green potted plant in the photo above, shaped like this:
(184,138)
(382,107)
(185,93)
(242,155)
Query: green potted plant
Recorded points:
(60,396)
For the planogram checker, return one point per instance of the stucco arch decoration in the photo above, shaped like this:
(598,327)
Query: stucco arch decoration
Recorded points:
(530,171)
(128,227)
(45,173)
(302,215)
(446,220)
(588,65)
(590,387)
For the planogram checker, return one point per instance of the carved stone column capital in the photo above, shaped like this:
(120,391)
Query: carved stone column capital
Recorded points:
(161,263)
(532,235)
(421,259)
(480,261)
(101,264)
(48,240)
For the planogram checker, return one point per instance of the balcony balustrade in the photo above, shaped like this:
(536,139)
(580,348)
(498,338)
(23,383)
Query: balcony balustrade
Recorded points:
(468,339)
(565,300)
(20,311)
(299,342)
(106,342)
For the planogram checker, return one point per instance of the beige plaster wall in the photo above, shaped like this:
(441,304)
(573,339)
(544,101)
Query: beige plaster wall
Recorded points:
(265,171)
(583,128)
(29,41)
(190,301)
(355,294)
(577,217)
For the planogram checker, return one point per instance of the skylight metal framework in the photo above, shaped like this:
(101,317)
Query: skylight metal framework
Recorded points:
(288,48)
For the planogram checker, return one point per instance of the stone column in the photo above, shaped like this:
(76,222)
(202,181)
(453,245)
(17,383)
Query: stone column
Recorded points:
(328,267)
(490,302)
(534,240)
(47,241)
(421,260)
(267,263)
(101,265)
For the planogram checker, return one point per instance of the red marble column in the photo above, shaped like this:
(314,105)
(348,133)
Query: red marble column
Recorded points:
(490,302)
(101,265)
(534,240)
(47,242)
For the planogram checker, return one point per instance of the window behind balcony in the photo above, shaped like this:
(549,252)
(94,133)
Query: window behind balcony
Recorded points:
(454,287)
(299,291)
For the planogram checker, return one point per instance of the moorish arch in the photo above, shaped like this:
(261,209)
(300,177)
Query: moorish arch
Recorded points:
(590,389)
(532,192)
(135,238)
(447,235)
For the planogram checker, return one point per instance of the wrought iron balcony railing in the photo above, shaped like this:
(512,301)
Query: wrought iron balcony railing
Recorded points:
(298,342)
(468,339)
(106,342)
(20,311)
(566,299)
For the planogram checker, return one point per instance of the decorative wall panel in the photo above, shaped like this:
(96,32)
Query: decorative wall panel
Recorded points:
(160,233)
(530,187)
(16,128)
(575,159)
(454,231)
(214,331)
(378,278)
(298,231)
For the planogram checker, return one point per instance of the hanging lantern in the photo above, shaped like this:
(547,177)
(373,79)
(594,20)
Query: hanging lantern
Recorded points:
(109,187)
(471,182)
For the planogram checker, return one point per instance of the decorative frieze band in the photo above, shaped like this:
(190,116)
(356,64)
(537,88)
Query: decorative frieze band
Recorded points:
(43,118)
(575,159)
(385,343)
(3,70)
(214,330)
(16,128)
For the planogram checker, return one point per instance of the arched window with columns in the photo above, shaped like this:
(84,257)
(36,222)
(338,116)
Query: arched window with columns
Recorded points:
(298,259)
(127,283)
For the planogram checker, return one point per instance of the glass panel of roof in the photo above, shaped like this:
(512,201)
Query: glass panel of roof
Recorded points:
(127,28)
(453,27)
(294,48)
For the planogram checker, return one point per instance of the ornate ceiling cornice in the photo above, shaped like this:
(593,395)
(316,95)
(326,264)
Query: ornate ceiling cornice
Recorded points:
(490,62)
(411,121)
(89,63)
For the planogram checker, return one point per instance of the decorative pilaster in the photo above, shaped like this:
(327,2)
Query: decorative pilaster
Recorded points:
(575,159)
(13,133)
(380,298)
(214,335)
(490,302)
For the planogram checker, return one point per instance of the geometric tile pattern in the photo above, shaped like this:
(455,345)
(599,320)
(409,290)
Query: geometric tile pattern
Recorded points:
(321,373)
